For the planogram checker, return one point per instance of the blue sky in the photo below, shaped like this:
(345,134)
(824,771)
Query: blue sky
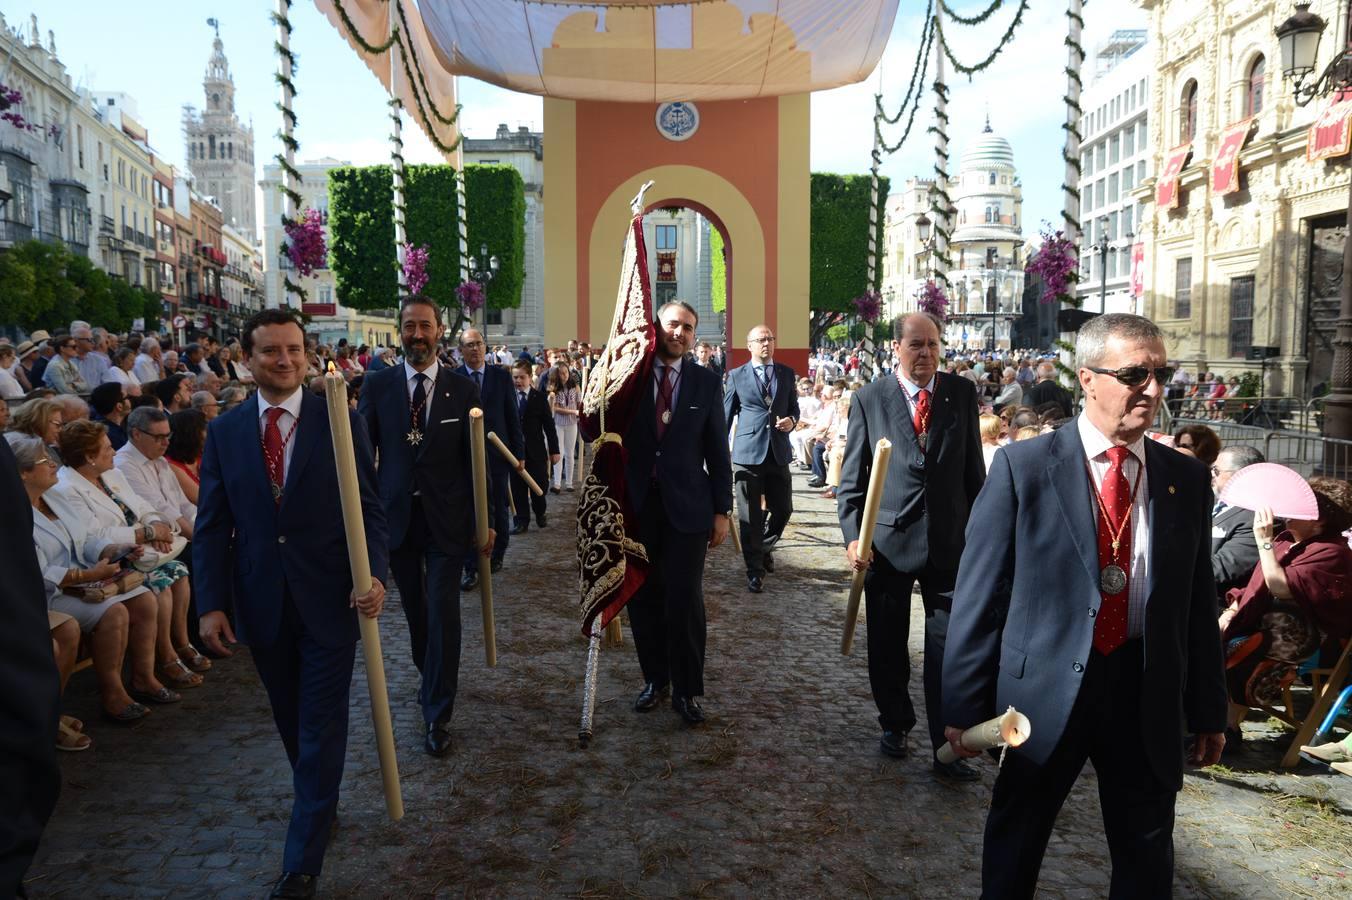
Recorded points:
(157,50)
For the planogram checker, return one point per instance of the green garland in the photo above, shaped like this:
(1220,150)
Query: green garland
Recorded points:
(1073,125)
(970,70)
(979,17)
(921,70)
(373,49)
(942,204)
(926,34)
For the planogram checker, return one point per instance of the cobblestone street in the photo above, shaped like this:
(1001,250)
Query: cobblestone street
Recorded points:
(781,793)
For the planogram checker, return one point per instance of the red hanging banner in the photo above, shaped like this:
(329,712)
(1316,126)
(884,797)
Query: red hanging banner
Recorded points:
(1137,269)
(1225,168)
(1331,133)
(1166,191)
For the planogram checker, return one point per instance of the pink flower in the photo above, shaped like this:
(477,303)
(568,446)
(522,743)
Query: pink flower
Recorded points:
(933,300)
(305,242)
(868,306)
(1057,263)
(471,295)
(415,268)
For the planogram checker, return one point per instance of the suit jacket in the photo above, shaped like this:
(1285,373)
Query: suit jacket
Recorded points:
(757,440)
(439,467)
(1233,552)
(537,426)
(76,498)
(247,551)
(1049,392)
(694,470)
(1022,624)
(498,399)
(927,495)
(30,692)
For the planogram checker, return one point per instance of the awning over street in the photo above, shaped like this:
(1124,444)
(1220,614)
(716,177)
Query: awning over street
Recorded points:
(1225,166)
(1331,133)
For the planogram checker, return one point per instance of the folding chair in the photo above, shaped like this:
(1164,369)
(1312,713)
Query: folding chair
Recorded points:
(1326,687)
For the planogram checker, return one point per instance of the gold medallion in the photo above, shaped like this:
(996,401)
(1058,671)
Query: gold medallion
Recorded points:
(666,417)
(414,437)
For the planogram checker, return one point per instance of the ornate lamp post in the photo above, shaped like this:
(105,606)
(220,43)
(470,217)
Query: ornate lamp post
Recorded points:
(483,269)
(1299,37)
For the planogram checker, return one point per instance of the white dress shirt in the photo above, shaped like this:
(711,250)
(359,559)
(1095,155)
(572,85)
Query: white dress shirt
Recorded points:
(10,389)
(1096,451)
(674,378)
(411,382)
(912,391)
(290,416)
(125,378)
(154,482)
(146,369)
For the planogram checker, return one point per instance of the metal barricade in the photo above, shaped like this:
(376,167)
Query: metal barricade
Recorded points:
(1310,454)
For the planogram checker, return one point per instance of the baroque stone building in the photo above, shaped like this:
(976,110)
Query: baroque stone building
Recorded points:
(219,148)
(1244,221)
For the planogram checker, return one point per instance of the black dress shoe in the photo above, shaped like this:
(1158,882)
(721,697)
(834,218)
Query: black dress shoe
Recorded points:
(689,709)
(768,542)
(755,584)
(469,581)
(957,770)
(893,743)
(438,739)
(541,520)
(495,566)
(520,528)
(648,697)
(816,483)
(768,561)
(294,884)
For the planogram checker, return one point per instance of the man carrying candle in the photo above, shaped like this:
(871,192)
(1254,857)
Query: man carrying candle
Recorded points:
(417,415)
(1085,600)
(269,542)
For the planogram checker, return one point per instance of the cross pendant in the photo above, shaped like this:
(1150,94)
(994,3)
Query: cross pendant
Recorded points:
(414,437)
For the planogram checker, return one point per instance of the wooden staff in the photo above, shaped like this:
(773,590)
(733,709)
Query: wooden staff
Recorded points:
(882,453)
(514,462)
(734,531)
(349,492)
(479,464)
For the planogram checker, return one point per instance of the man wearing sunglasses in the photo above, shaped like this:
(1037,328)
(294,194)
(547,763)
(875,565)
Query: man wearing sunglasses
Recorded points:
(1085,600)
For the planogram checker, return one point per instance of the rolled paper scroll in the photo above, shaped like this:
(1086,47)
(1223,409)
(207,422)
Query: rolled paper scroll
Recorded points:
(349,493)
(514,462)
(1008,730)
(734,532)
(882,453)
(479,464)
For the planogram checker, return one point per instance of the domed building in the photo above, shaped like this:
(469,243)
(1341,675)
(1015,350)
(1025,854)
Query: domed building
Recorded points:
(986,245)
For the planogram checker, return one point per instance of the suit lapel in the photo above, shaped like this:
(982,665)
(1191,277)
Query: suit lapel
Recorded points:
(941,414)
(1070,481)
(898,410)
(1164,511)
(249,436)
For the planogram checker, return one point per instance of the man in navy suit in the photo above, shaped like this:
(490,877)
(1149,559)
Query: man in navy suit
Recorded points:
(1085,600)
(542,447)
(498,400)
(417,415)
(934,475)
(763,397)
(680,482)
(269,542)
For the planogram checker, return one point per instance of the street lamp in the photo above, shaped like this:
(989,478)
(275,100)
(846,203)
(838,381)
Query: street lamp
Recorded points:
(1101,248)
(993,299)
(484,268)
(1299,37)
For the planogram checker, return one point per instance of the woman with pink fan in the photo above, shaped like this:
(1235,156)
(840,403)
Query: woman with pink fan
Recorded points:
(1298,601)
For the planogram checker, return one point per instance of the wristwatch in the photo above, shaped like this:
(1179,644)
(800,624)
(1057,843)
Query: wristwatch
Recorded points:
(1267,545)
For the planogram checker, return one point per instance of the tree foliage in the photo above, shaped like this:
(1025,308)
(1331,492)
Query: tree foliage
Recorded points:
(361,231)
(45,285)
(839,245)
(718,286)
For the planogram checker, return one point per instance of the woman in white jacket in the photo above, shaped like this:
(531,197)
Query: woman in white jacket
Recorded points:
(90,490)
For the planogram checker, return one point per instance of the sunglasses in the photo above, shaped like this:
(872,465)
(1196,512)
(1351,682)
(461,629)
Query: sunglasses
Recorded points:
(1135,376)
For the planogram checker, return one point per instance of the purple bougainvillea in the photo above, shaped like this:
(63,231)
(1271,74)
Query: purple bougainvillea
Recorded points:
(1057,263)
(415,268)
(471,296)
(305,242)
(9,99)
(868,306)
(934,301)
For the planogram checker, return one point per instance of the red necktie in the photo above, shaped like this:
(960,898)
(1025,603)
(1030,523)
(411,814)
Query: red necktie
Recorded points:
(274,452)
(922,412)
(663,399)
(1114,518)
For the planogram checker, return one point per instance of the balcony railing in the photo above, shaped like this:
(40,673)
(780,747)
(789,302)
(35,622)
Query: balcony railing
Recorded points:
(107,225)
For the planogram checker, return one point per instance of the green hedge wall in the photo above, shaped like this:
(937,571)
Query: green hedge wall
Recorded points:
(839,241)
(361,231)
(719,270)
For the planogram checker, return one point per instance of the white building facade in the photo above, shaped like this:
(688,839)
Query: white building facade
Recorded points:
(1116,156)
(908,246)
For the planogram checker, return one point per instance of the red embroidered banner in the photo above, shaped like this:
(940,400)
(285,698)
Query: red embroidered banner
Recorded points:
(1166,191)
(1137,269)
(666,265)
(1225,167)
(1331,133)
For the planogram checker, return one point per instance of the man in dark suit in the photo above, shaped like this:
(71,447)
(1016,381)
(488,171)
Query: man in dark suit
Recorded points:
(935,473)
(417,415)
(680,482)
(498,401)
(542,447)
(1047,390)
(1234,553)
(1085,600)
(704,355)
(763,397)
(269,541)
(30,692)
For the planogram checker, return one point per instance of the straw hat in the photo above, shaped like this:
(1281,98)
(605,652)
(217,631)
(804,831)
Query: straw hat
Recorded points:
(39,336)
(26,348)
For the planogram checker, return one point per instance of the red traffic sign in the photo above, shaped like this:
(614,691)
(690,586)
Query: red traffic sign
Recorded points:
(180,322)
